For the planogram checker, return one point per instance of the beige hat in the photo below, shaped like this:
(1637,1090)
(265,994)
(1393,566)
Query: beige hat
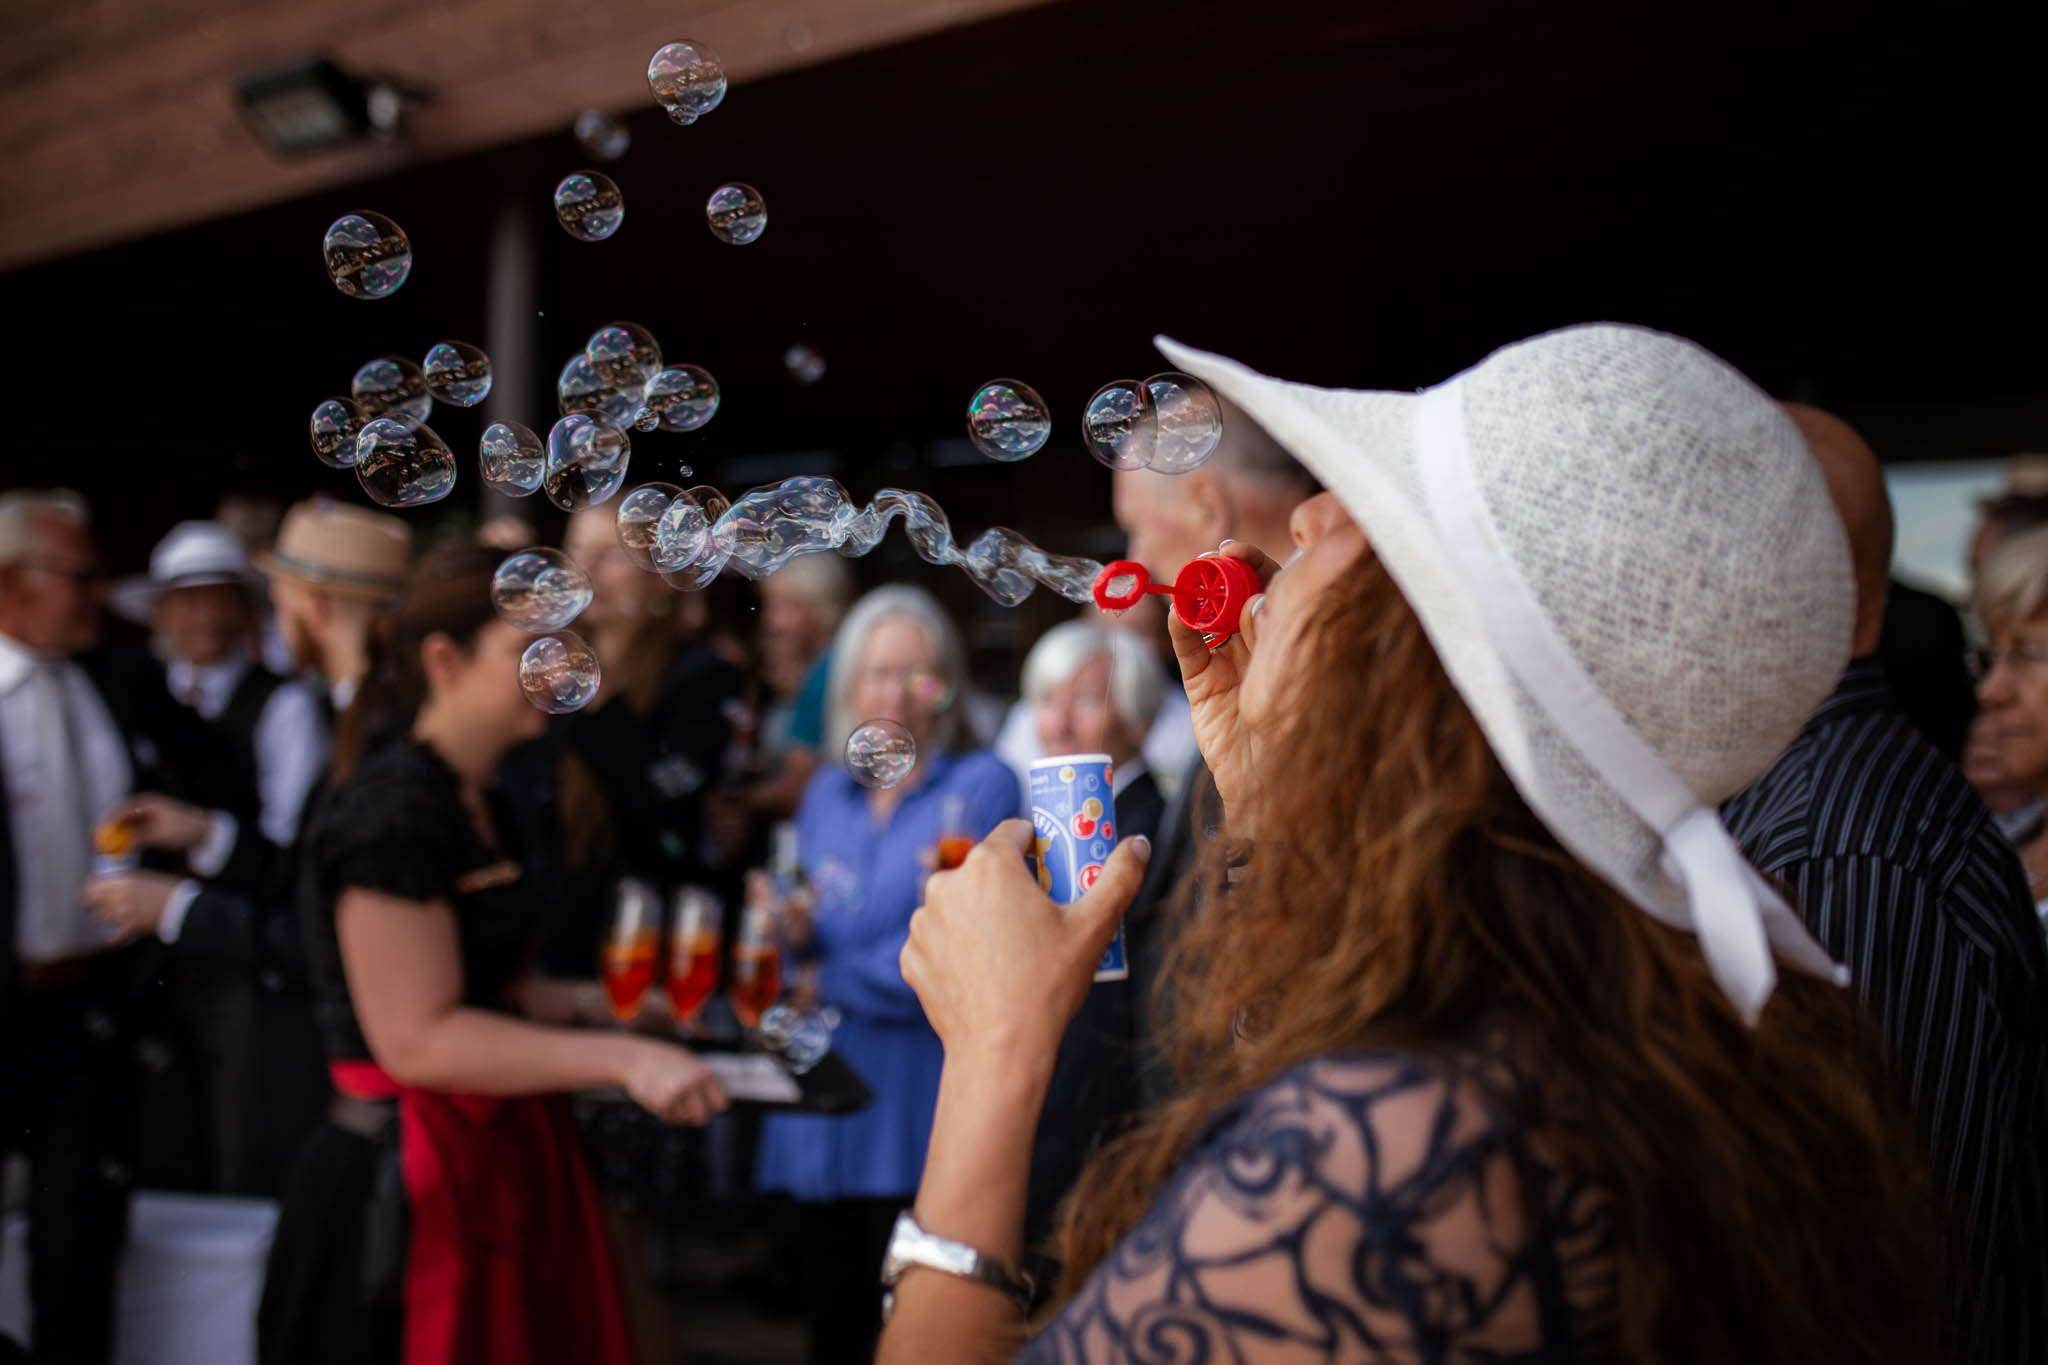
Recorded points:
(1630,567)
(346,550)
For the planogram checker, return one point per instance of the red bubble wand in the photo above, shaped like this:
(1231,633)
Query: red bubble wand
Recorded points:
(1208,594)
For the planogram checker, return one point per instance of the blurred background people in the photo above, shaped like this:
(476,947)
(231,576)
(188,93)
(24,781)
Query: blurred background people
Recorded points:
(801,606)
(332,569)
(613,797)
(67,1001)
(2012,672)
(865,853)
(444,1212)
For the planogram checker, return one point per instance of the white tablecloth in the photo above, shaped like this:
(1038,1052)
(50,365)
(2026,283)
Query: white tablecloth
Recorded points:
(189,1281)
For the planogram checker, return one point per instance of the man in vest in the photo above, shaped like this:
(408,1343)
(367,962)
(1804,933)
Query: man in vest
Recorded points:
(199,599)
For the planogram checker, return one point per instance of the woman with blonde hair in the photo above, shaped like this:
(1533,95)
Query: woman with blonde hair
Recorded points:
(865,851)
(1496,1049)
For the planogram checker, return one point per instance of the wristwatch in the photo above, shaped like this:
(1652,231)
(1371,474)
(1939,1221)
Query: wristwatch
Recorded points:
(910,1245)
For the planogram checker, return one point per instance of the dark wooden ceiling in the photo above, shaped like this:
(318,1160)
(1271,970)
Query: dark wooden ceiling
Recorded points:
(118,118)
(1838,198)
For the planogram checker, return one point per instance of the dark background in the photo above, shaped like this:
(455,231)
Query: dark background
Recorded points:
(1839,199)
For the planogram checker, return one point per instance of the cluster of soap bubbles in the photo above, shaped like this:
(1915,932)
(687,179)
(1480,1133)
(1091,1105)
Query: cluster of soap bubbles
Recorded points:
(880,753)
(380,429)
(1170,423)
(367,255)
(542,590)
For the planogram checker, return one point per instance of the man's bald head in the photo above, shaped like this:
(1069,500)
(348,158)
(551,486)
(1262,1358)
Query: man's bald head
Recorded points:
(1856,483)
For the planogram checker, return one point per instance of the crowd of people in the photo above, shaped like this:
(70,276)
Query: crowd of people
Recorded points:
(1587,911)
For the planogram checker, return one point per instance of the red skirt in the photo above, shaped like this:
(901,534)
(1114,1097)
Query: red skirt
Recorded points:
(506,1258)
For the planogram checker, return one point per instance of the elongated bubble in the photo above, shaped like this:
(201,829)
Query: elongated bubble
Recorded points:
(770,526)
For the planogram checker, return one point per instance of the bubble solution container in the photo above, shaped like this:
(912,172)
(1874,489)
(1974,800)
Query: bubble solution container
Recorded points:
(1073,826)
(1208,593)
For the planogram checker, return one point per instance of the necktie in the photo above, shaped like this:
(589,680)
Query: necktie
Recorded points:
(65,814)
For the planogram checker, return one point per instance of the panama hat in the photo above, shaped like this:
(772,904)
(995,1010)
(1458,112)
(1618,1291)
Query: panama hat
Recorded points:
(349,551)
(1629,564)
(194,554)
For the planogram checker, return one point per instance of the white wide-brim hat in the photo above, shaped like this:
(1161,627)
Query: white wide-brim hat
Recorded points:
(1629,564)
(194,554)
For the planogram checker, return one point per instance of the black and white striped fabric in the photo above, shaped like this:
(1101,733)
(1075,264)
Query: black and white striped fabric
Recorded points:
(1898,870)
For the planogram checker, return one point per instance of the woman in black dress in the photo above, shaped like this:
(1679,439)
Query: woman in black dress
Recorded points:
(444,1214)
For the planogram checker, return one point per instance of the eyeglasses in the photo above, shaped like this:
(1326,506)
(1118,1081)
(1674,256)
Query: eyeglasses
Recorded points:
(1980,662)
(921,685)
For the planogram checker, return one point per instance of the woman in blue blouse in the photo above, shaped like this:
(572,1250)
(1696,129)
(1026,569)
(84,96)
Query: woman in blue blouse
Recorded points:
(866,854)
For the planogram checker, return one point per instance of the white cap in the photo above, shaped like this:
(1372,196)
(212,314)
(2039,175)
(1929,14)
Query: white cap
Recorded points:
(194,554)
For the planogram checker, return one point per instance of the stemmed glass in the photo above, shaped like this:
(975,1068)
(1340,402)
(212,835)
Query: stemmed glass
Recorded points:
(756,979)
(693,942)
(632,952)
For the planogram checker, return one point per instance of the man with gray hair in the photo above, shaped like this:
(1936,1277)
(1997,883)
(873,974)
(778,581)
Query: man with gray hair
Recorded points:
(67,1088)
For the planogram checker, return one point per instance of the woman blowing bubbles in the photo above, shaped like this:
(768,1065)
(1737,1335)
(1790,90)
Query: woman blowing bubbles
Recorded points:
(1498,1051)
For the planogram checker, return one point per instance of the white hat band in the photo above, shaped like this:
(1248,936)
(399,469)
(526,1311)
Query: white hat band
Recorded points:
(1736,914)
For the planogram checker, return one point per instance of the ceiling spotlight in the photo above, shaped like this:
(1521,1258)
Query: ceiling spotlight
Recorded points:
(313,105)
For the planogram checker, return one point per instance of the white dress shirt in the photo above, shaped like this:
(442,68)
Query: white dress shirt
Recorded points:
(291,737)
(66,766)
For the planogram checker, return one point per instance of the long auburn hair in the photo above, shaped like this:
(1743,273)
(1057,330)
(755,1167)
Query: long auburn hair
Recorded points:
(1769,1197)
(448,593)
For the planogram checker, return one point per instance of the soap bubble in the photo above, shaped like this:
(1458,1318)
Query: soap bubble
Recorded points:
(1007,420)
(579,389)
(402,463)
(586,461)
(367,255)
(539,589)
(804,363)
(589,206)
(711,559)
(640,512)
(623,354)
(391,384)
(687,79)
(335,424)
(457,372)
(1187,422)
(602,137)
(513,459)
(1117,425)
(880,753)
(680,398)
(736,213)
(559,673)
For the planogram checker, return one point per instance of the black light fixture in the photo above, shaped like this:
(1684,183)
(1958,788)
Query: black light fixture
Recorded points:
(313,105)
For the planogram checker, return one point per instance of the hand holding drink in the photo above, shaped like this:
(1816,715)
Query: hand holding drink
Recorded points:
(1073,825)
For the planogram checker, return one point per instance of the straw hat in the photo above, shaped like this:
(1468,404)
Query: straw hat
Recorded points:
(1629,564)
(348,551)
(194,554)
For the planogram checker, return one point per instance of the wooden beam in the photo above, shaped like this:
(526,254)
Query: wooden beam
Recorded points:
(118,117)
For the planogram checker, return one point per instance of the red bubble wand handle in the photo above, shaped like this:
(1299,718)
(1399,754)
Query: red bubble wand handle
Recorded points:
(1208,594)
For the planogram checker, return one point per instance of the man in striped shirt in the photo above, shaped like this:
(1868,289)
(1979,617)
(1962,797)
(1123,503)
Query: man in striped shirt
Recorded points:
(1898,871)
